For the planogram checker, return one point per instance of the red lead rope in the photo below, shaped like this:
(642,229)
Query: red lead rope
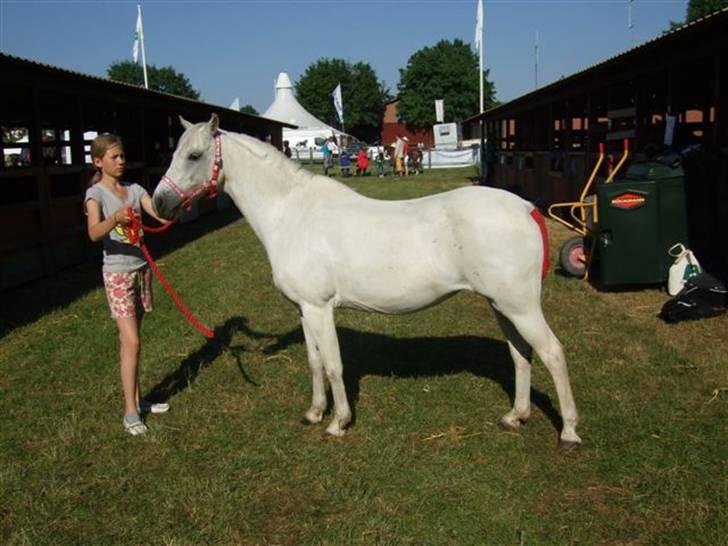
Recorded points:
(134,234)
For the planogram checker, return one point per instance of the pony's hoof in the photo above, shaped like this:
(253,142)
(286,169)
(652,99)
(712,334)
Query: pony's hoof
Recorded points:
(510,425)
(312,417)
(567,445)
(335,431)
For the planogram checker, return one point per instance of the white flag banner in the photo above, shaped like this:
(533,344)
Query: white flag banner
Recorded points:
(338,104)
(479,24)
(439,110)
(137,37)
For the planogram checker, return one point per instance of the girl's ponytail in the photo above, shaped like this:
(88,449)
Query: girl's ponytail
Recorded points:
(95,176)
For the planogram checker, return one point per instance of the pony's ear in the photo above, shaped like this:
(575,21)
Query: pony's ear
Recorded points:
(214,123)
(186,124)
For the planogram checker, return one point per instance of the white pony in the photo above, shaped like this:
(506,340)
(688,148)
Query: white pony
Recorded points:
(331,247)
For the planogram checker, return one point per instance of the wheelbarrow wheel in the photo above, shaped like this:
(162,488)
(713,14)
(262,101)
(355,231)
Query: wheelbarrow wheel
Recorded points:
(572,257)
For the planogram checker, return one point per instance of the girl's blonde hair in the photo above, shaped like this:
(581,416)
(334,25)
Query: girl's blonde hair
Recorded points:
(99,146)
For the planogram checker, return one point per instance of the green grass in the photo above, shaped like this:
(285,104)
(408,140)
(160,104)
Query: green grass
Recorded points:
(423,463)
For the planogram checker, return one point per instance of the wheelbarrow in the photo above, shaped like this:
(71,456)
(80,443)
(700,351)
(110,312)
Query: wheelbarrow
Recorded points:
(582,217)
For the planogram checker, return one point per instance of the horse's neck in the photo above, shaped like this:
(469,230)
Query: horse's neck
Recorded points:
(266,186)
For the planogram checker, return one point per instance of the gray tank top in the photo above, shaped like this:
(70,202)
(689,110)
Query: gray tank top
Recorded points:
(120,256)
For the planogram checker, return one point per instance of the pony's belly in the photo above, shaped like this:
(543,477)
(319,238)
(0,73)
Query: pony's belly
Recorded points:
(392,297)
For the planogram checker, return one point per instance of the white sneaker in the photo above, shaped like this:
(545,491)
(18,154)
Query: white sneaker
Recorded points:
(134,425)
(149,407)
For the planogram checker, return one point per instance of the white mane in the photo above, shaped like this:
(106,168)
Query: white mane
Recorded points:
(287,171)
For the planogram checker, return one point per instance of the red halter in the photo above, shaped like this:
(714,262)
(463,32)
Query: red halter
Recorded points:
(210,187)
(135,234)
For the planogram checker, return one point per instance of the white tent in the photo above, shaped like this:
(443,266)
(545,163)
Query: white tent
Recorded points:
(287,109)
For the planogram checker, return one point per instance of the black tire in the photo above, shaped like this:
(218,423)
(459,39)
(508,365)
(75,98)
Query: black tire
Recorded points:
(572,257)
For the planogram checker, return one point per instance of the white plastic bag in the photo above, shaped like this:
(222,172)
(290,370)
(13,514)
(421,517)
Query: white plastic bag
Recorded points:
(686,266)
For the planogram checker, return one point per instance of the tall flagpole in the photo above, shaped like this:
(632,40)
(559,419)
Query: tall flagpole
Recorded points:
(479,42)
(141,38)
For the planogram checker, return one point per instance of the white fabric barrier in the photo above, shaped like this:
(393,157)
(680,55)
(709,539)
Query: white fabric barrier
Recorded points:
(447,159)
(431,159)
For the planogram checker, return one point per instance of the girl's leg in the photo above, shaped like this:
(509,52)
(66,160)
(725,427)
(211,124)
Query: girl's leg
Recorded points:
(129,361)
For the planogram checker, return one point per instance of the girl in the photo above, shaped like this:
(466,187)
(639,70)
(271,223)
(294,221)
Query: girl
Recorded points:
(362,162)
(109,204)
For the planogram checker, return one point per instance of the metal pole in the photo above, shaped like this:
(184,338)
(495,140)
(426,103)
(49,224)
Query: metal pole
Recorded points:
(630,24)
(141,39)
(482,126)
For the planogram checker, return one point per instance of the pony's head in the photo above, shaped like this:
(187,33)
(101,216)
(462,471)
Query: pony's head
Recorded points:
(195,168)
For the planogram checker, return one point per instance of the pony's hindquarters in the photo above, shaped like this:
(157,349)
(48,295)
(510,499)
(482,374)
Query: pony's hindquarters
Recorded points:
(506,265)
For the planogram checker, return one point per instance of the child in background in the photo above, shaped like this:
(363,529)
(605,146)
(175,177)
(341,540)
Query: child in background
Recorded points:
(380,163)
(345,162)
(109,204)
(362,162)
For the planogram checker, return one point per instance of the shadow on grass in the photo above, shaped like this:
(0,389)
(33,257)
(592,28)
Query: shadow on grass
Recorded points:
(365,353)
(190,367)
(27,303)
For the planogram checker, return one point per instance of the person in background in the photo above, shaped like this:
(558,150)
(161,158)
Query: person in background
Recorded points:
(286,149)
(328,157)
(405,155)
(362,162)
(399,156)
(345,162)
(111,204)
(380,161)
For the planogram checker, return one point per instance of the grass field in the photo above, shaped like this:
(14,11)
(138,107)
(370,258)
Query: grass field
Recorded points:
(424,462)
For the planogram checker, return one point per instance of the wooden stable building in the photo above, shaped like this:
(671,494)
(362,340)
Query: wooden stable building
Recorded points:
(49,117)
(673,88)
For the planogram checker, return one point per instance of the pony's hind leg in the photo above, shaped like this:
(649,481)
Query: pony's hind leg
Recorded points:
(532,327)
(319,325)
(521,353)
(318,398)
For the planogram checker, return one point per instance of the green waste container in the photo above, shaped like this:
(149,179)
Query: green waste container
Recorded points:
(640,218)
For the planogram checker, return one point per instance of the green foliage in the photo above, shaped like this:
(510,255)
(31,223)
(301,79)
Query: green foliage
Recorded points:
(448,71)
(363,95)
(165,79)
(699,8)
(249,109)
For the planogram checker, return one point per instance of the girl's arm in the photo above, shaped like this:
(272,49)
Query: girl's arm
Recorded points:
(148,206)
(96,227)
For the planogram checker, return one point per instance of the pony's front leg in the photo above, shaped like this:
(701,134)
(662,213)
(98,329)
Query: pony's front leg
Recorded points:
(319,324)
(318,399)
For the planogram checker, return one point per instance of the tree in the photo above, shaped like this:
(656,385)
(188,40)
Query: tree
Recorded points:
(362,94)
(447,71)
(248,109)
(700,8)
(165,79)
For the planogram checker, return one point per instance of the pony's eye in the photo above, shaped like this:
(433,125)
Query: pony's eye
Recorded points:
(194,156)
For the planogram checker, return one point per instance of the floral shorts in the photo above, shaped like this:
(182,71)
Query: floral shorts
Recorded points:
(129,294)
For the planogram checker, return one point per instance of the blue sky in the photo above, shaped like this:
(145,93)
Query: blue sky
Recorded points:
(236,48)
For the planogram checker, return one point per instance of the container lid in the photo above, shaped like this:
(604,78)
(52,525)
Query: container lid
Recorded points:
(657,169)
